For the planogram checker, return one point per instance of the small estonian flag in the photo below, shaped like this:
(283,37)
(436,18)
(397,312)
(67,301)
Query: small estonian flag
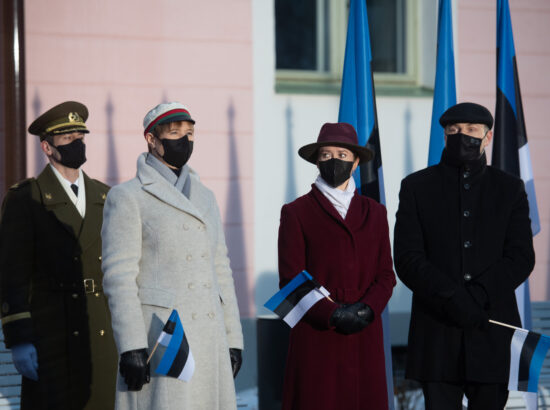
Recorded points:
(527,352)
(293,301)
(177,360)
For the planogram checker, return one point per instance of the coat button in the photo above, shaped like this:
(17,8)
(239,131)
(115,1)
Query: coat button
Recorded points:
(75,258)
(467,277)
(466,174)
(189,257)
(193,316)
(99,258)
(203,256)
(101,332)
(466,187)
(191,286)
(211,315)
(75,295)
(75,333)
(466,214)
(96,294)
(467,244)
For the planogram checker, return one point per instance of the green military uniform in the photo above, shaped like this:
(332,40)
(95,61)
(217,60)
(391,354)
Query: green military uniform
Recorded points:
(51,294)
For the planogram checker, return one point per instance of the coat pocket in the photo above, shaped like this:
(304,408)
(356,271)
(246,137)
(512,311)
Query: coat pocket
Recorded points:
(156,297)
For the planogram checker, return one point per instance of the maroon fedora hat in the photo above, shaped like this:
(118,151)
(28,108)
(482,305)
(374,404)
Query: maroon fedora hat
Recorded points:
(339,134)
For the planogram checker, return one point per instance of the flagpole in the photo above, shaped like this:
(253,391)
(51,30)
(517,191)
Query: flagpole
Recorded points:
(153,352)
(507,325)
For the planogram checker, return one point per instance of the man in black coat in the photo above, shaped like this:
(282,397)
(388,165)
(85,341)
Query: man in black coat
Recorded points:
(54,314)
(462,244)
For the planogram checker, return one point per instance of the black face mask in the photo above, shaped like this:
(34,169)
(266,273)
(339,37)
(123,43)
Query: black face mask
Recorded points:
(177,152)
(335,171)
(73,155)
(464,147)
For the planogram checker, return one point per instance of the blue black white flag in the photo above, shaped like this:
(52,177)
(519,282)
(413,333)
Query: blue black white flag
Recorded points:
(358,108)
(298,296)
(527,353)
(445,87)
(177,361)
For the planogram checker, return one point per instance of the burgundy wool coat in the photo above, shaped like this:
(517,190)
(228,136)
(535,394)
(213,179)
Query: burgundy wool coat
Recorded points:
(351,258)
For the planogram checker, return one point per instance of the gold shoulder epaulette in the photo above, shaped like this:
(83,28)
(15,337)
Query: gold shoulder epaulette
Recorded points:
(21,184)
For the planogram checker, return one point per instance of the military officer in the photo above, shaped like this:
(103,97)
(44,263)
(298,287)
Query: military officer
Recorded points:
(54,314)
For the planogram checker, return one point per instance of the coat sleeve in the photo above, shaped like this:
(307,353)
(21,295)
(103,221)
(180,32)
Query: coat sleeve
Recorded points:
(17,265)
(227,289)
(518,256)
(122,242)
(411,264)
(379,293)
(292,260)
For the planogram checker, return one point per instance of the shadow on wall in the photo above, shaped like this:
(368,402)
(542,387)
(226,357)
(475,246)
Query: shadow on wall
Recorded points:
(408,154)
(291,157)
(39,156)
(267,284)
(112,174)
(234,221)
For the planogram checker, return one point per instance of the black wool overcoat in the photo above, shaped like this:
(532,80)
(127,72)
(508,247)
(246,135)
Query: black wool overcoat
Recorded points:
(462,226)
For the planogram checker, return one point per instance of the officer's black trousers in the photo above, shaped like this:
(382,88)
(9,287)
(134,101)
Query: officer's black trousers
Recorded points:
(448,396)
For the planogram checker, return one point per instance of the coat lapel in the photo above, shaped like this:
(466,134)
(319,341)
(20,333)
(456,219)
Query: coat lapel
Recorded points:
(156,185)
(95,199)
(56,200)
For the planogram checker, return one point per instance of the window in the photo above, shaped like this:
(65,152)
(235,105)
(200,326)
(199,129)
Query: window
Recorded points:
(310,38)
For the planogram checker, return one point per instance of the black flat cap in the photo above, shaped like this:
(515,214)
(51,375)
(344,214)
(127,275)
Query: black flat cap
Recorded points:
(468,112)
(65,117)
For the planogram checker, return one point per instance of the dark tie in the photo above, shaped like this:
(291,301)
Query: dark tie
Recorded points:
(75,189)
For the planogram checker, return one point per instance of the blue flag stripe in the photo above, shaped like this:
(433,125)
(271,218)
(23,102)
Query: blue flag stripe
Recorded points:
(276,299)
(445,82)
(506,53)
(536,363)
(172,349)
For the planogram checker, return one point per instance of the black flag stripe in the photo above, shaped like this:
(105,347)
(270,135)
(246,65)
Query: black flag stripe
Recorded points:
(527,351)
(293,298)
(181,358)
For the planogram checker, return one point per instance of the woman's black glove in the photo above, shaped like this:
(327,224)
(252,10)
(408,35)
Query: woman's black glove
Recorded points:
(236,360)
(134,368)
(347,320)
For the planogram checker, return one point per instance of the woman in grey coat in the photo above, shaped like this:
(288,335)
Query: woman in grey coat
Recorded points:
(164,249)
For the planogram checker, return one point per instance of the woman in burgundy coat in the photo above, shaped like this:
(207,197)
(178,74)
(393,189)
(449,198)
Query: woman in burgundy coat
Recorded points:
(336,354)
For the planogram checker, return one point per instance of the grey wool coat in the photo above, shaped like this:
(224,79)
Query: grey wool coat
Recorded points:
(164,251)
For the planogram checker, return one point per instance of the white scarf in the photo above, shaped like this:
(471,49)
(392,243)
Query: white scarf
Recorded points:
(338,198)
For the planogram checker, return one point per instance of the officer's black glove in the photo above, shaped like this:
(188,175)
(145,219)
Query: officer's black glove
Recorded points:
(346,319)
(236,360)
(135,369)
(464,311)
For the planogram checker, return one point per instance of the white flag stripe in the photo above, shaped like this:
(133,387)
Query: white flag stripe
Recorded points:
(188,369)
(325,292)
(525,169)
(515,355)
(164,338)
(302,307)
(520,300)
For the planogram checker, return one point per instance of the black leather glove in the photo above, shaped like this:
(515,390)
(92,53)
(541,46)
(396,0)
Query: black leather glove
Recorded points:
(366,313)
(464,311)
(135,369)
(236,360)
(346,319)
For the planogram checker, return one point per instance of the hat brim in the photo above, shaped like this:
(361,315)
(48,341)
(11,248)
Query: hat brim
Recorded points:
(176,118)
(309,151)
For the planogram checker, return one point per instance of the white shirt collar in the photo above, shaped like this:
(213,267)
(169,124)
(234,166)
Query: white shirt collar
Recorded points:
(80,201)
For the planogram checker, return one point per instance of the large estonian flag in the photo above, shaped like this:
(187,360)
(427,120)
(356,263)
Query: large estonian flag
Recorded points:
(298,296)
(527,353)
(445,85)
(177,361)
(510,148)
(358,108)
